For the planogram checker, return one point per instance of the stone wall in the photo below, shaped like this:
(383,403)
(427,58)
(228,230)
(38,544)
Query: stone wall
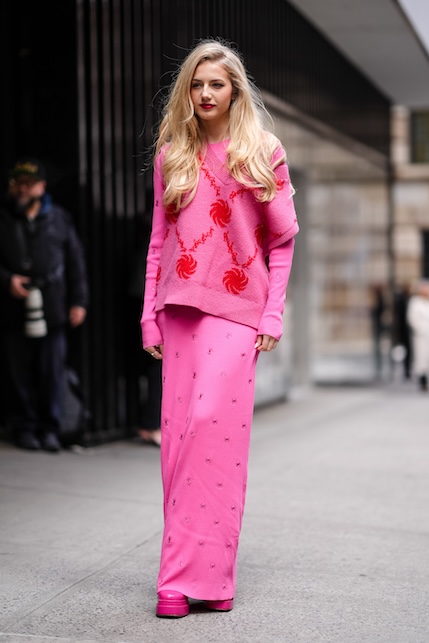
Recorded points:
(411,202)
(343,192)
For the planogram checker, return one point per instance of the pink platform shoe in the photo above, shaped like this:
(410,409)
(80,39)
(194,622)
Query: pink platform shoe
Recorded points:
(220,606)
(171,604)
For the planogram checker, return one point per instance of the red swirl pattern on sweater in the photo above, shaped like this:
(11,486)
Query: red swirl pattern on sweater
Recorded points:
(261,234)
(236,193)
(186,266)
(211,180)
(202,239)
(235,281)
(220,212)
(230,246)
(250,259)
(180,240)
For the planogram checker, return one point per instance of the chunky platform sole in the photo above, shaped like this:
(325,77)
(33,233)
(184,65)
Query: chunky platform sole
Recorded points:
(220,606)
(171,604)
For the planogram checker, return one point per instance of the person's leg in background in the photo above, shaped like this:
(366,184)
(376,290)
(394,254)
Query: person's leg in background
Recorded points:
(19,354)
(150,430)
(51,364)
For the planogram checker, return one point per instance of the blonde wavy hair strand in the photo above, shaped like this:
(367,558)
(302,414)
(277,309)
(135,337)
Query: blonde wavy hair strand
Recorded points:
(251,145)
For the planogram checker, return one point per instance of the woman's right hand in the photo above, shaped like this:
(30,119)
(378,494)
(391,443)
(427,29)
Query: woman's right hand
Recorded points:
(155,351)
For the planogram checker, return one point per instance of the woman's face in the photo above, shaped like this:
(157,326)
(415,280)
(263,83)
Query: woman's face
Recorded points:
(211,94)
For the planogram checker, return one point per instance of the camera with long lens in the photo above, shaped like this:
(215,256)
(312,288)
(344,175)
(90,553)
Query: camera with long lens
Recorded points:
(35,322)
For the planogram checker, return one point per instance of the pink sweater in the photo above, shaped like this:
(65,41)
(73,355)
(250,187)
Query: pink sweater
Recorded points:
(211,255)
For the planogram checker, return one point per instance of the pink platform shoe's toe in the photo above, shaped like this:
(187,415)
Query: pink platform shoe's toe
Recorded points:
(172,604)
(220,606)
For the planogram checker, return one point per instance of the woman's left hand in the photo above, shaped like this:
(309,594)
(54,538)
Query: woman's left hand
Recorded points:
(265,343)
(155,351)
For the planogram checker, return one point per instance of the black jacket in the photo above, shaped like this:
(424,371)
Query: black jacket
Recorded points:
(48,250)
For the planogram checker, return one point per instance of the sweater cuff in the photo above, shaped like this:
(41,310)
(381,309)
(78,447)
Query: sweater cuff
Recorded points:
(151,334)
(280,263)
(272,325)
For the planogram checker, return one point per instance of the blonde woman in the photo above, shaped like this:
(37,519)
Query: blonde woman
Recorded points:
(223,212)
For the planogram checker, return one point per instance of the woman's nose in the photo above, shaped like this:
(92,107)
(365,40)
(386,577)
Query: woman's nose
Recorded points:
(206,91)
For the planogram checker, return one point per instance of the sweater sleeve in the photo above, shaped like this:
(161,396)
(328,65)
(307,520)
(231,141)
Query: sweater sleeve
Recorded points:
(151,334)
(280,215)
(280,264)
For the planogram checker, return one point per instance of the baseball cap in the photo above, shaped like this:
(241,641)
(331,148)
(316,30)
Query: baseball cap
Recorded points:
(28,166)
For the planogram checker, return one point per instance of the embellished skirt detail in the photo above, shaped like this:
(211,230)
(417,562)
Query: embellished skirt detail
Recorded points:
(207,409)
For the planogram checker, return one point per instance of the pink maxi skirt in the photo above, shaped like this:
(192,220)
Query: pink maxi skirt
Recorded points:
(207,410)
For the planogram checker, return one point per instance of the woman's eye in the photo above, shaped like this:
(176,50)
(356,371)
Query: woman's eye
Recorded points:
(217,85)
(195,85)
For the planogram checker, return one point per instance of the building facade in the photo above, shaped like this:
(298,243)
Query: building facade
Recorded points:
(410,158)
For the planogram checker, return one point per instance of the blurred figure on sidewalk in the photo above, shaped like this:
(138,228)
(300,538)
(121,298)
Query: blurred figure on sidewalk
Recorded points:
(378,319)
(150,431)
(43,290)
(418,319)
(401,334)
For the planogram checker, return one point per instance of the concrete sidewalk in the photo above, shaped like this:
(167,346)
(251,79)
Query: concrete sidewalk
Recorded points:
(334,547)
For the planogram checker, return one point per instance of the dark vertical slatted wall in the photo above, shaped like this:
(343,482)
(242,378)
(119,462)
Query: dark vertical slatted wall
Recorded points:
(103,67)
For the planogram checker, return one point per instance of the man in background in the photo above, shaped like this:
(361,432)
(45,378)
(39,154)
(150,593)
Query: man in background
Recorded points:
(43,291)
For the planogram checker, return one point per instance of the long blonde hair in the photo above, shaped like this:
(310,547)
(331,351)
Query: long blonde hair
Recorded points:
(251,145)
